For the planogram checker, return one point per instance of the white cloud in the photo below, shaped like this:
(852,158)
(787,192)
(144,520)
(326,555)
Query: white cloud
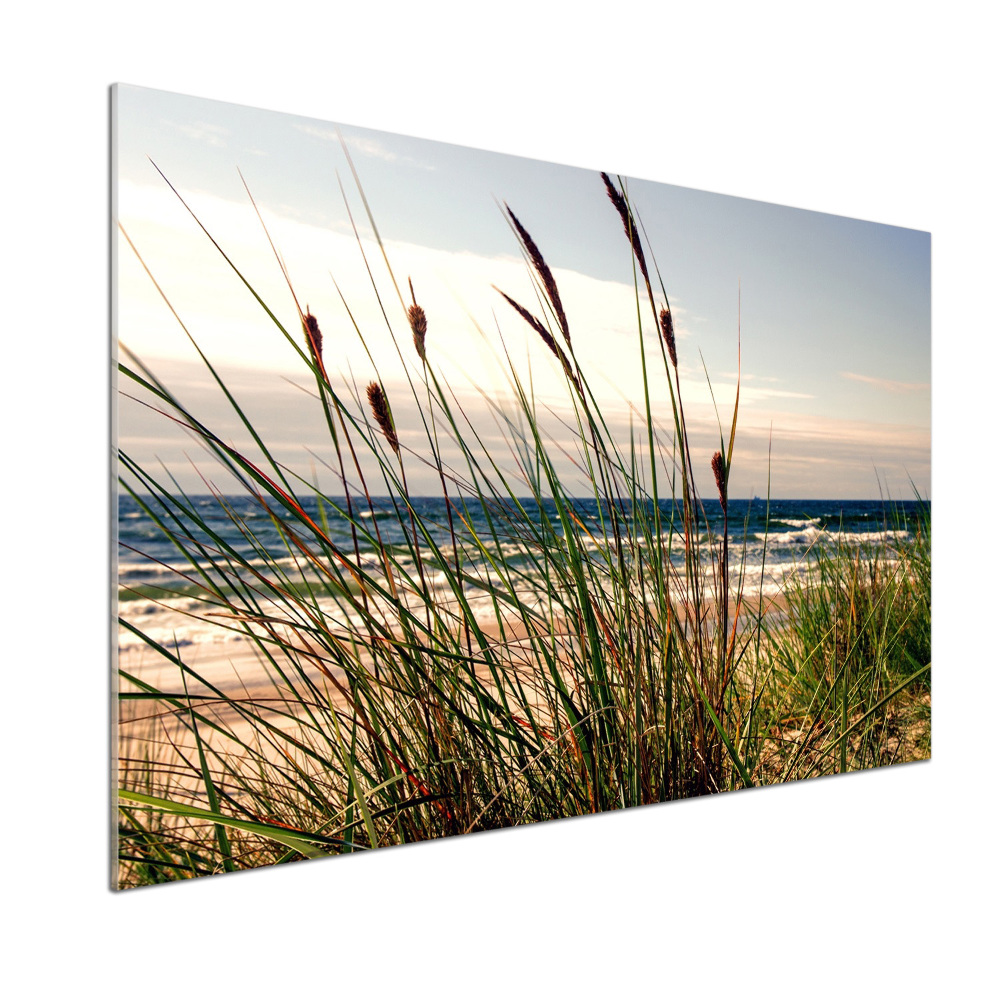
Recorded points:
(365,145)
(318,132)
(887,384)
(470,326)
(213,135)
(750,377)
(802,456)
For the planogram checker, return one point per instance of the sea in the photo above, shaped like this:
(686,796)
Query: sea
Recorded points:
(159,595)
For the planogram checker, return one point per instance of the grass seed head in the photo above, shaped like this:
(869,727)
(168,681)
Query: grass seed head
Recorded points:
(667,326)
(380,411)
(539,327)
(621,206)
(313,336)
(719,468)
(543,271)
(418,324)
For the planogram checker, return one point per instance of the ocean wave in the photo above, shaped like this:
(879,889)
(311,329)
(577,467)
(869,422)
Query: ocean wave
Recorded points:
(809,536)
(792,522)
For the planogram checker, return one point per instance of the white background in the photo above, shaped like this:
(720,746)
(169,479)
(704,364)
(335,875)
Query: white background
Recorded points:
(882,884)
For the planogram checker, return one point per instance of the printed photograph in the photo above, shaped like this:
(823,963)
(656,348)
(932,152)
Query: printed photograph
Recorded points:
(457,491)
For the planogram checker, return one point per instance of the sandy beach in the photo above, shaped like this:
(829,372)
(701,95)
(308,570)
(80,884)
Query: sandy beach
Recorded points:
(235,674)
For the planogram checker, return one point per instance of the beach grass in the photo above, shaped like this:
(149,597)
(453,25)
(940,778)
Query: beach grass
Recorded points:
(624,661)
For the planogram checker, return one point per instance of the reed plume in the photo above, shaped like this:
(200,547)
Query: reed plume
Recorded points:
(380,411)
(667,328)
(544,273)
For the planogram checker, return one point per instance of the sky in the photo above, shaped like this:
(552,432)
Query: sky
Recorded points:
(826,318)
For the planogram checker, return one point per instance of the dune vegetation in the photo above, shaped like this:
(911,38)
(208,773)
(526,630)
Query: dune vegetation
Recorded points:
(514,651)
